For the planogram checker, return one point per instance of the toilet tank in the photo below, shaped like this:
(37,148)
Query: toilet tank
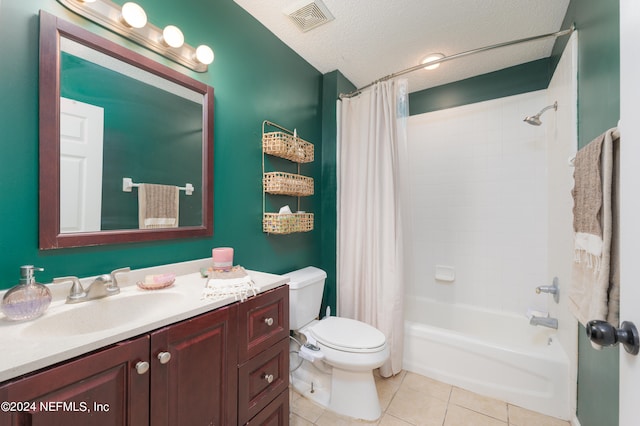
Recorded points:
(306,286)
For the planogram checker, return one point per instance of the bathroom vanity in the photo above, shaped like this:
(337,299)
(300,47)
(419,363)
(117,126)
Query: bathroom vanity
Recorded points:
(227,365)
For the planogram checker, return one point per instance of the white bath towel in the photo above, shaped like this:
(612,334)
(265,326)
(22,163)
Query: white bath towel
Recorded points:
(236,282)
(594,288)
(158,206)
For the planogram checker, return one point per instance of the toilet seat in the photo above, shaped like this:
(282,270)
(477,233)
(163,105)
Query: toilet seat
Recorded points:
(348,335)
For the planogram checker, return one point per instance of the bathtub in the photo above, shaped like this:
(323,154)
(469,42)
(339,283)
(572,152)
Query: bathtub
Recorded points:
(491,353)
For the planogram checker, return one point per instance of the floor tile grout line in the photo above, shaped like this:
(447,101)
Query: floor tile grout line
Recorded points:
(402,384)
(446,411)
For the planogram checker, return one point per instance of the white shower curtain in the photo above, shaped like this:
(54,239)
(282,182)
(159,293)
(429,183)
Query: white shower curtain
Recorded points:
(372,163)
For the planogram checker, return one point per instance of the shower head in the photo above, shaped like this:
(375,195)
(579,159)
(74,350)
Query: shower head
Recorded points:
(534,120)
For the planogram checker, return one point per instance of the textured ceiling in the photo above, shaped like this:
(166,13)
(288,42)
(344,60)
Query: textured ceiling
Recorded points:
(370,39)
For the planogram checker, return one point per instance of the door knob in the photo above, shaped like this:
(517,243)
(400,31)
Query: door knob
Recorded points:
(604,334)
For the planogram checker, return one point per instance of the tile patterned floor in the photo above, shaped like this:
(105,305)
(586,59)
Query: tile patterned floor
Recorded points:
(410,399)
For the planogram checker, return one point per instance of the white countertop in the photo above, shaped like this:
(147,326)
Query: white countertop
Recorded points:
(25,350)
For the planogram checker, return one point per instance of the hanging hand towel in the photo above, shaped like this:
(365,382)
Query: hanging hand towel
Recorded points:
(594,288)
(158,206)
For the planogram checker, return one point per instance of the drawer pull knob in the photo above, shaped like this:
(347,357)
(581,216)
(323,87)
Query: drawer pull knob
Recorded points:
(142,367)
(268,321)
(268,377)
(164,357)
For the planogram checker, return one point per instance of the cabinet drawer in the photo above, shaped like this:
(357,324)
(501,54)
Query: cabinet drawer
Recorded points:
(262,378)
(275,414)
(262,321)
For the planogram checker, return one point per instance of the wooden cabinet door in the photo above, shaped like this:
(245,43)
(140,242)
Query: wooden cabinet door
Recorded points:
(99,389)
(198,384)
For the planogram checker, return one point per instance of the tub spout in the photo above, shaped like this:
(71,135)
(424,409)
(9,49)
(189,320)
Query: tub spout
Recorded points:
(545,322)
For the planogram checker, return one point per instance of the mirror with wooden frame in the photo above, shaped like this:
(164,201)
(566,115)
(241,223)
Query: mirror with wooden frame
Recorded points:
(108,114)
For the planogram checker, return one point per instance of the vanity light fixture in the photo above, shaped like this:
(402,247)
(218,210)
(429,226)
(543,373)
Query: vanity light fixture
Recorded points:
(133,15)
(172,36)
(204,54)
(130,21)
(432,57)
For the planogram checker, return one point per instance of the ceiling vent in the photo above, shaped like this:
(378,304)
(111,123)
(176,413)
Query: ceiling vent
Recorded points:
(309,14)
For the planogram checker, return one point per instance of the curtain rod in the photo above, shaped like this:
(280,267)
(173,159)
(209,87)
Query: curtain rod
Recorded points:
(460,55)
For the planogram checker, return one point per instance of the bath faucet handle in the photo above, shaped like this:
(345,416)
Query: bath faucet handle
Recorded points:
(551,289)
(76,293)
(114,278)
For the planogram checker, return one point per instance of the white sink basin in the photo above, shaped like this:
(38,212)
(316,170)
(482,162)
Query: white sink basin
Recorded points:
(100,314)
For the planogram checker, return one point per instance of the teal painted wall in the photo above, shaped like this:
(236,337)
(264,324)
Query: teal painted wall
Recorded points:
(255,77)
(598,24)
(510,81)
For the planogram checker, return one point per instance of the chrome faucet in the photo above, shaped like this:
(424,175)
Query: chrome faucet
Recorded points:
(102,286)
(544,321)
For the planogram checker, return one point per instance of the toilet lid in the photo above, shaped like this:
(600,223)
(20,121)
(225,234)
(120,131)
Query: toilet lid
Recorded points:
(349,334)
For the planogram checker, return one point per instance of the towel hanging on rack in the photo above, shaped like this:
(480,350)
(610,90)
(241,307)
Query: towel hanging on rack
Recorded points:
(158,206)
(128,185)
(594,292)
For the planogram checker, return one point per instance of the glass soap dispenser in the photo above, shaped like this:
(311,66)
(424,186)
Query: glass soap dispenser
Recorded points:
(28,299)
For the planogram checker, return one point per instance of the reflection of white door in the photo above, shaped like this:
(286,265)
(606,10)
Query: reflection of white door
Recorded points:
(629,202)
(81,139)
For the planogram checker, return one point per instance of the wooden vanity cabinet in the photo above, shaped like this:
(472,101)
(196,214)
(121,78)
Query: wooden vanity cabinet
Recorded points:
(225,367)
(98,389)
(193,371)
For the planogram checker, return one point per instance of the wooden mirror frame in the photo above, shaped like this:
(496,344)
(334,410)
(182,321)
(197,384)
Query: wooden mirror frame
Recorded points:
(52,29)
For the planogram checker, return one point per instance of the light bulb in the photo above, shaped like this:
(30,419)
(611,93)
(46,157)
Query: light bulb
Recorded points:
(133,15)
(204,54)
(172,36)
(432,57)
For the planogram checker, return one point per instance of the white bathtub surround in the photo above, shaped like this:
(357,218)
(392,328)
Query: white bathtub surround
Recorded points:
(491,353)
(492,200)
(562,142)
(479,194)
(372,161)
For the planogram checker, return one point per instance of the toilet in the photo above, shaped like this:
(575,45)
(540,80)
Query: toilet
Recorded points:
(338,354)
